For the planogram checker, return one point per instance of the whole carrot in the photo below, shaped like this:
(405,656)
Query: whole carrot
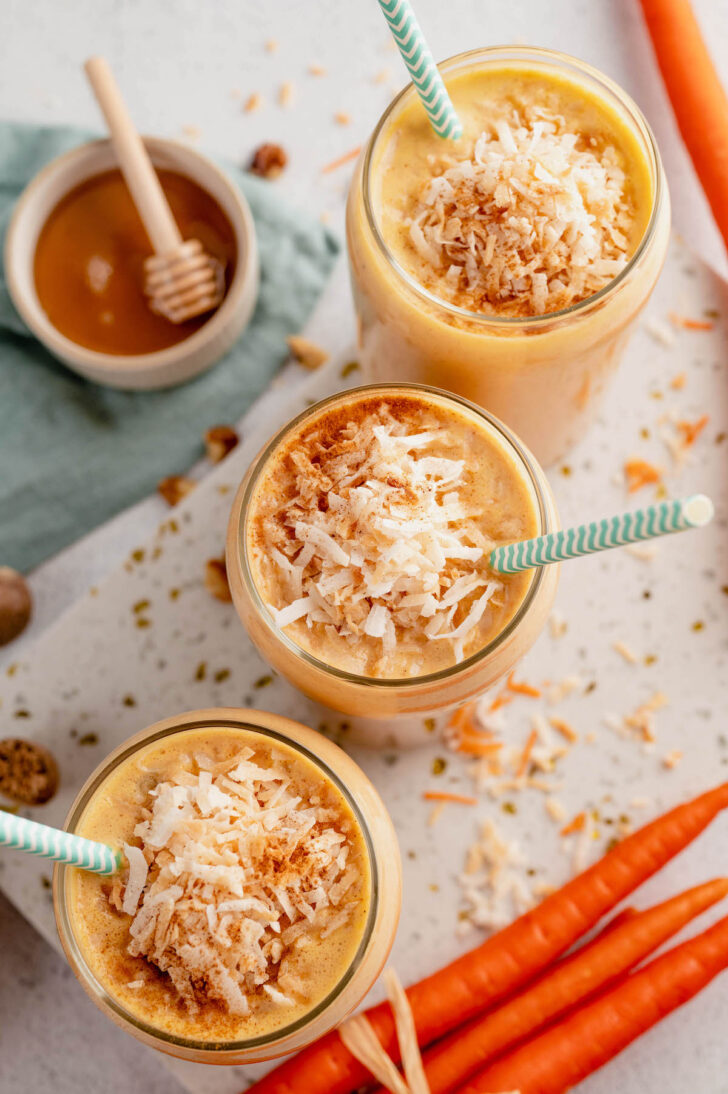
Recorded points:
(586,1040)
(698,99)
(505,961)
(620,948)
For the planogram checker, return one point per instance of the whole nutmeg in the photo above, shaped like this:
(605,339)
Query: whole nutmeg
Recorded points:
(16,604)
(28,771)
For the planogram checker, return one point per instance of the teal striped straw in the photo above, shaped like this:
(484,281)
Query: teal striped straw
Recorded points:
(52,843)
(601,535)
(422,68)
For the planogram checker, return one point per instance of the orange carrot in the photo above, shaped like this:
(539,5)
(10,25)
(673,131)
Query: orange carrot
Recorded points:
(691,430)
(625,942)
(508,960)
(473,746)
(584,1041)
(564,729)
(575,825)
(346,158)
(501,700)
(639,473)
(443,796)
(522,689)
(698,100)
(526,754)
(690,324)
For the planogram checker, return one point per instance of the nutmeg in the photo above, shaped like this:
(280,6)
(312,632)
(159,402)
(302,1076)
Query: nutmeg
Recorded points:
(28,771)
(16,604)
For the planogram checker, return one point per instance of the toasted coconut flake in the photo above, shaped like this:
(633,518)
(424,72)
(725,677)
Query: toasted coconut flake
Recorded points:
(533,219)
(409,1048)
(235,868)
(376,541)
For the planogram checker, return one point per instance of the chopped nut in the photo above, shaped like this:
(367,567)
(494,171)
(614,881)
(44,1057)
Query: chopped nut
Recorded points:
(268,161)
(219,441)
(16,604)
(253,102)
(216,580)
(28,772)
(306,353)
(174,488)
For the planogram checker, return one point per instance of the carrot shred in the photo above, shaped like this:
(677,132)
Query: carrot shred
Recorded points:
(346,158)
(678,382)
(501,700)
(564,729)
(444,796)
(526,754)
(473,747)
(690,431)
(639,473)
(521,688)
(686,323)
(576,825)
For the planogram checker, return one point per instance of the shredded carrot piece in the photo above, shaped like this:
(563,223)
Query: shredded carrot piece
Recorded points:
(691,430)
(462,718)
(522,689)
(346,158)
(444,796)
(526,754)
(678,382)
(501,700)
(564,729)
(574,826)
(640,473)
(690,324)
(472,746)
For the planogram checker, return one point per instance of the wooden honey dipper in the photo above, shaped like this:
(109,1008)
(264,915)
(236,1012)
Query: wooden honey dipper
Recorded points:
(181,279)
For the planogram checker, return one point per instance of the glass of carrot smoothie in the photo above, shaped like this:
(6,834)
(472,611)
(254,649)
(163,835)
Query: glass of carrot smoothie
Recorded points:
(358,548)
(510,265)
(260,892)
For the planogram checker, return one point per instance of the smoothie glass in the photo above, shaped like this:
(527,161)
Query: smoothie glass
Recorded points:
(365,696)
(381,844)
(542,375)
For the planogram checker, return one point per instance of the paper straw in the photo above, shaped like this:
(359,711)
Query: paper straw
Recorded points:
(52,843)
(602,535)
(422,68)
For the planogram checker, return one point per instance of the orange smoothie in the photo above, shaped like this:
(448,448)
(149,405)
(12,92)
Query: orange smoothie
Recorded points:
(508,265)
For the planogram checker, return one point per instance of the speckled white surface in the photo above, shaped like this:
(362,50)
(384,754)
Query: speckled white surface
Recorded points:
(179,64)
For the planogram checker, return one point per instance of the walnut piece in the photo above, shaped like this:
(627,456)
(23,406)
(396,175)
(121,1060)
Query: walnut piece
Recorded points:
(28,772)
(306,353)
(175,487)
(16,604)
(219,441)
(268,161)
(216,579)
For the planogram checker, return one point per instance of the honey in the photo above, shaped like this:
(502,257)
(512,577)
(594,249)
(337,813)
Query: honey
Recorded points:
(89,259)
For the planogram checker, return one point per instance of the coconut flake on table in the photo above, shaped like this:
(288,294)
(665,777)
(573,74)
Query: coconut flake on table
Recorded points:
(233,872)
(535,218)
(380,540)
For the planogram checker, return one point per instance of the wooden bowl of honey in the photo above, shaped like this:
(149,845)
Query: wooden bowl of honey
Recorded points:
(74,256)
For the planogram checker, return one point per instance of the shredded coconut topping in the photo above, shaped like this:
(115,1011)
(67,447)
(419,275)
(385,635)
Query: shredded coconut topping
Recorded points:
(235,873)
(535,219)
(378,542)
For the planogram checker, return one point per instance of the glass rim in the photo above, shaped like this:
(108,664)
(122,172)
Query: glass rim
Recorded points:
(526,461)
(70,942)
(543,57)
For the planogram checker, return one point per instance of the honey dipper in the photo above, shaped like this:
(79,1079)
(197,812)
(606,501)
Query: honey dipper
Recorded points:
(181,279)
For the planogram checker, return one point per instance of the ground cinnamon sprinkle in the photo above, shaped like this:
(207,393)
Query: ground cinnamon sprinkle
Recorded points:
(639,473)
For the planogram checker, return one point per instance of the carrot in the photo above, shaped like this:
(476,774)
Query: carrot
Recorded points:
(624,943)
(584,1041)
(691,430)
(520,688)
(575,825)
(639,473)
(698,100)
(526,754)
(346,158)
(444,796)
(473,746)
(508,960)
(687,323)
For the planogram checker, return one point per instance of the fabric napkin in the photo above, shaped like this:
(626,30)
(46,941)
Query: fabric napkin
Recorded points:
(72,453)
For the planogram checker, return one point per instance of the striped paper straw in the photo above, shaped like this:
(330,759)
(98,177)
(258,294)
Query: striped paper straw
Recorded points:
(602,535)
(422,68)
(52,843)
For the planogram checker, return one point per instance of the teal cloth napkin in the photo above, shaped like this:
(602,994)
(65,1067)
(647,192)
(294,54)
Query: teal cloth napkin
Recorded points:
(72,454)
